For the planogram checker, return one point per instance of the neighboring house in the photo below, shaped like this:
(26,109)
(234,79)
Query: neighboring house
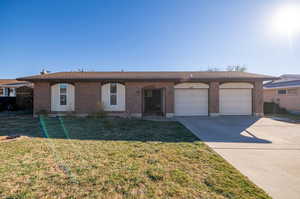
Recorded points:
(6,91)
(8,87)
(285,92)
(147,93)
(14,93)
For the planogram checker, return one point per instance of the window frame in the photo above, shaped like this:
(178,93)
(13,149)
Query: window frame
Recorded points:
(285,92)
(65,94)
(6,92)
(149,93)
(115,94)
(12,92)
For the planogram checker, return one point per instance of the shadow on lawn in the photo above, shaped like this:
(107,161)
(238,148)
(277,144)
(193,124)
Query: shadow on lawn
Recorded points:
(116,129)
(219,129)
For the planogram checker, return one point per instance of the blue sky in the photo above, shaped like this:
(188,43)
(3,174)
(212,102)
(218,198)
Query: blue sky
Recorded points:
(143,35)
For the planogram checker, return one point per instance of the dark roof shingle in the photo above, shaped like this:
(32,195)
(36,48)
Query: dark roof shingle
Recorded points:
(293,83)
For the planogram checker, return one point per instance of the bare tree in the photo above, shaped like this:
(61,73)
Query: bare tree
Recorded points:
(237,68)
(212,69)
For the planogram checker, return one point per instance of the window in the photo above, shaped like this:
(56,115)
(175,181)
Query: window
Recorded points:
(12,92)
(292,91)
(63,94)
(282,92)
(6,92)
(148,93)
(113,94)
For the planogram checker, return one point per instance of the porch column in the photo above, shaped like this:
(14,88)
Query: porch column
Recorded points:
(41,97)
(133,99)
(258,101)
(169,102)
(213,99)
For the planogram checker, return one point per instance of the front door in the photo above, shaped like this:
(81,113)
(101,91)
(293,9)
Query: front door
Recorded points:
(153,102)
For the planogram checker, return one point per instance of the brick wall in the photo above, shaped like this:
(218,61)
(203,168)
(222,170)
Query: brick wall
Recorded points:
(213,99)
(134,96)
(87,97)
(41,97)
(258,98)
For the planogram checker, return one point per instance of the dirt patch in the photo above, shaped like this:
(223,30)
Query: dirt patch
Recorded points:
(10,138)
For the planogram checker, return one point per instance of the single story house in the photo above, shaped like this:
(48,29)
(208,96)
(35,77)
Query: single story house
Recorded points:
(146,93)
(8,87)
(6,91)
(15,94)
(285,92)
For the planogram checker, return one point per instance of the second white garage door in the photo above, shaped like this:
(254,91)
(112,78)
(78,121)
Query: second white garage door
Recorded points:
(235,101)
(191,102)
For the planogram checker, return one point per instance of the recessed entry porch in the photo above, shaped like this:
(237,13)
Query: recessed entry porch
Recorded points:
(153,102)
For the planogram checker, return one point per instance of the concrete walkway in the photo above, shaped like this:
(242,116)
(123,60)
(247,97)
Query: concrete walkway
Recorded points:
(265,150)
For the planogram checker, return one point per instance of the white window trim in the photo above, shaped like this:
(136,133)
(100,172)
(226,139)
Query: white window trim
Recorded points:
(120,93)
(12,93)
(5,92)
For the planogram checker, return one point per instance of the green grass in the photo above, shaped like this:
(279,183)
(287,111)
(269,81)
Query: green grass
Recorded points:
(113,158)
(287,115)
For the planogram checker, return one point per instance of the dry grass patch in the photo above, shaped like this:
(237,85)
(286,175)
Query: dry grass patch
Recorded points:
(113,158)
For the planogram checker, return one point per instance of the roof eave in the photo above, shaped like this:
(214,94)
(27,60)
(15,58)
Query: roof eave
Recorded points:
(146,79)
(279,87)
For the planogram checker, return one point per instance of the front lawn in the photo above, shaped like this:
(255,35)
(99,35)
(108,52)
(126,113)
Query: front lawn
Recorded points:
(295,117)
(112,158)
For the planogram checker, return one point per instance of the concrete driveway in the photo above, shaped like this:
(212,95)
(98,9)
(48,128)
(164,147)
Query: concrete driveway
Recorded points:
(265,150)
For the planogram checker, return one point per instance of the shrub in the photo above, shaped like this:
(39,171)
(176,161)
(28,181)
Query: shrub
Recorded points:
(42,112)
(273,108)
(99,113)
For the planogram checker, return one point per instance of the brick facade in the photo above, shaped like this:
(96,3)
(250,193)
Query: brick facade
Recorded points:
(258,98)
(88,97)
(213,99)
(42,97)
(134,96)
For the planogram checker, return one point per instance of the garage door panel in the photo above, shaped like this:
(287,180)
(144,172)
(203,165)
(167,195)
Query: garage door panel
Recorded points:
(191,102)
(235,101)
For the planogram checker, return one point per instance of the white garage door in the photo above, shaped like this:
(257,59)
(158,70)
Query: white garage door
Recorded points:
(235,101)
(191,102)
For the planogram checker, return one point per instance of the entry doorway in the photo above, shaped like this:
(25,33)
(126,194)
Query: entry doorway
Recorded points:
(153,102)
